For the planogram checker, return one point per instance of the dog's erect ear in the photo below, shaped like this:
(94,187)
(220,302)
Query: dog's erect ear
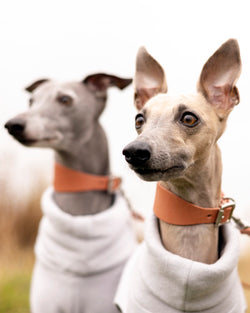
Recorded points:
(101,82)
(219,76)
(149,78)
(34,85)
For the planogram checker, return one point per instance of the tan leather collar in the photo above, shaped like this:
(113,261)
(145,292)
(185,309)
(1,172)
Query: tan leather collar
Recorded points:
(68,180)
(173,210)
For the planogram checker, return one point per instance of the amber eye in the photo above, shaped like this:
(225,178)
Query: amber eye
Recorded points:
(65,99)
(189,119)
(139,121)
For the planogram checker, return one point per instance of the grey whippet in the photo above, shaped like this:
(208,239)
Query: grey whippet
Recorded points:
(84,237)
(184,267)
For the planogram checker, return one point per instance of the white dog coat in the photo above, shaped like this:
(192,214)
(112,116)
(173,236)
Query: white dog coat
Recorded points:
(79,259)
(157,281)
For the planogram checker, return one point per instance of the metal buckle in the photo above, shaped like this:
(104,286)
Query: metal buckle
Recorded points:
(112,184)
(220,216)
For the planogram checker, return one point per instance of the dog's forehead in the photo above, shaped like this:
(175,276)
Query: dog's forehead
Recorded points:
(53,88)
(164,103)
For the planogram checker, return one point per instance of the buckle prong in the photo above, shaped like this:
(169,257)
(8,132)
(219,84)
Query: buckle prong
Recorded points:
(113,184)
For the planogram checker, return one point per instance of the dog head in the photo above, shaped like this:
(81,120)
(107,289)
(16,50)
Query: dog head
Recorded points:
(177,133)
(60,113)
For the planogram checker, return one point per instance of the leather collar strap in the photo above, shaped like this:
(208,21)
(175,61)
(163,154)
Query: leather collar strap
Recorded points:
(173,210)
(68,180)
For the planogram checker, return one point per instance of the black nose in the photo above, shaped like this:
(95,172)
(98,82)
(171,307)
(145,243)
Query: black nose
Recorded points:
(137,153)
(15,126)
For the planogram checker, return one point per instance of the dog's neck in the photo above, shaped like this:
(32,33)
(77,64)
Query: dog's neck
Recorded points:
(89,156)
(201,186)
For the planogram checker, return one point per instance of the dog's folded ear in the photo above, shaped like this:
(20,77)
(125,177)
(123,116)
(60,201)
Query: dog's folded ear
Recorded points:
(149,78)
(219,76)
(34,85)
(101,82)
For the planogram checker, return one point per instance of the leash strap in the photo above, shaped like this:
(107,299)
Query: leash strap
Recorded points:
(245,231)
(135,215)
(68,180)
(241,225)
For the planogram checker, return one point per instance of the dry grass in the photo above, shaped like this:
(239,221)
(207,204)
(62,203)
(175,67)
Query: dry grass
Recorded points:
(15,274)
(19,217)
(18,229)
(24,174)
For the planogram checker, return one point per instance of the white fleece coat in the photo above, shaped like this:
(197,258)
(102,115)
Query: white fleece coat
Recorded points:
(157,281)
(79,259)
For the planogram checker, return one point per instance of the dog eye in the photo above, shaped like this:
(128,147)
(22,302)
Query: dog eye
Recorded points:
(139,121)
(189,119)
(66,100)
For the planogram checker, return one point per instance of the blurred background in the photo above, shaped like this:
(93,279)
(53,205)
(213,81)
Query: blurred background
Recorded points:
(67,40)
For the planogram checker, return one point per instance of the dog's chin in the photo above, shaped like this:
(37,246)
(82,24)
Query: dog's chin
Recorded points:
(39,143)
(154,174)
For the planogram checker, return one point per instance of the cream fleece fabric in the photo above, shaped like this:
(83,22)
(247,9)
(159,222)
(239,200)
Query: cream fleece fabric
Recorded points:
(157,281)
(79,259)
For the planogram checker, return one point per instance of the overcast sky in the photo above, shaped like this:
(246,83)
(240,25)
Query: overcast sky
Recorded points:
(66,40)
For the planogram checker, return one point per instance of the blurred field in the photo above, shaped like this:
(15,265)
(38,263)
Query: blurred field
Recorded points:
(18,230)
(20,214)
(15,274)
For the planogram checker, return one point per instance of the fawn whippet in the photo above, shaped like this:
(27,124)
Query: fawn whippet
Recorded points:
(187,263)
(85,235)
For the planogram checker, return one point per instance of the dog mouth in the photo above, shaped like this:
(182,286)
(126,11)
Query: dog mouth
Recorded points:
(153,172)
(31,142)
(26,142)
